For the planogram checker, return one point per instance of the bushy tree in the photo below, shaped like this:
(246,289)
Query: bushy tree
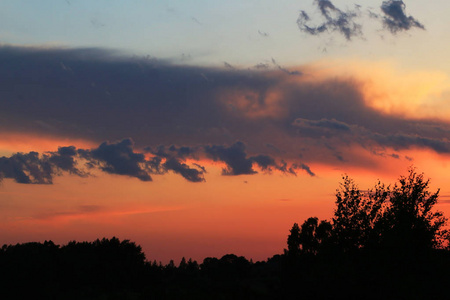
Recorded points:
(357,213)
(401,217)
(409,222)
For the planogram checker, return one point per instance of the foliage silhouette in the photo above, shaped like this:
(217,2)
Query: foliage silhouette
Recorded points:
(398,219)
(310,238)
(409,223)
(293,241)
(356,214)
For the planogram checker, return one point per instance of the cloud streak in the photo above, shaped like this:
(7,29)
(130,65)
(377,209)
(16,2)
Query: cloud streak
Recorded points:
(348,133)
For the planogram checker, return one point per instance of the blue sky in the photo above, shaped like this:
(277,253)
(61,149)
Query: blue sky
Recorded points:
(242,33)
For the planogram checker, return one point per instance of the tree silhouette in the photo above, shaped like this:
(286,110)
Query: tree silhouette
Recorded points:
(409,222)
(293,241)
(313,235)
(357,213)
(309,238)
(399,218)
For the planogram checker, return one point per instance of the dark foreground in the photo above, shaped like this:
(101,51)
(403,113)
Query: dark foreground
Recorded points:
(113,269)
(384,243)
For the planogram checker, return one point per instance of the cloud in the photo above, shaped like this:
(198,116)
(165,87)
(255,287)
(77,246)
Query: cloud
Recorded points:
(306,168)
(64,160)
(239,163)
(121,159)
(173,151)
(322,127)
(234,156)
(263,34)
(190,174)
(395,18)
(336,20)
(175,117)
(404,141)
(369,138)
(115,158)
(40,169)
(284,69)
(265,162)
(75,212)
(348,23)
(26,168)
(118,158)
(174,157)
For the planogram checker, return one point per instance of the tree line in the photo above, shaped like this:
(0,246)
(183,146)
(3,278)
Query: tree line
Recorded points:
(387,242)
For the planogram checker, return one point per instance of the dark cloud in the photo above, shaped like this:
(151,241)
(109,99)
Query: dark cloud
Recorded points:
(395,18)
(306,168)
(64,159)
(335,20)
(404,141)
(322,127)
(369,138)
(283,167)
(26,168)
(106,97)
(39,169)
(115,158)
(173,112)
(347,22)
(238,162)
(173,151)
(265,162)
(174,157)
(119,158)
(190,174)
(234,156)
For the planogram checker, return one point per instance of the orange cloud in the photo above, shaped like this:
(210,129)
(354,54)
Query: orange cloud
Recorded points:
(253,103)
(391,89)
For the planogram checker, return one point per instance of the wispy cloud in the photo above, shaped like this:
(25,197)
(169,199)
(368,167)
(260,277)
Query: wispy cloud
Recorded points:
(348,23)
(395,18)
(88,211)
(335,20)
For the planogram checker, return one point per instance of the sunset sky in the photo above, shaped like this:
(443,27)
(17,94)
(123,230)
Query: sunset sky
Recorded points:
(200,127)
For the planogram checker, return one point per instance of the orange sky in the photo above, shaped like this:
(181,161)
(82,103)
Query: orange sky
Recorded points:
(248,215)
(368,119)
